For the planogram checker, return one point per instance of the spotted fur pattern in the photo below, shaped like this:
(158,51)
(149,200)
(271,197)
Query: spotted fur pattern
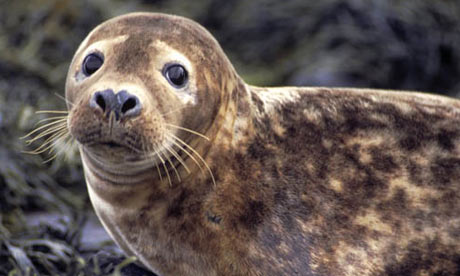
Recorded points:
(349,182)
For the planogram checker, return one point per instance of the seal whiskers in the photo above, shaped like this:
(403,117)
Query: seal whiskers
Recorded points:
(67,140)
(168,158)
(55,130)
(52,130)
(53,111)
(176,155)
(48,143)
(183,149)
(64,99)
(50,119)
(165,167)
(188,130)
(196,153)
(152,157)
(165,158)
(49,128)
(173,111)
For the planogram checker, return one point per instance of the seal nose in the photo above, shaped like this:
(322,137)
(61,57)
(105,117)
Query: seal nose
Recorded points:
(122,104)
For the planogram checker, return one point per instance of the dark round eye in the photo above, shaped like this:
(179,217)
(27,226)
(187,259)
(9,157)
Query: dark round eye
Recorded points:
(176,75)
(92,63)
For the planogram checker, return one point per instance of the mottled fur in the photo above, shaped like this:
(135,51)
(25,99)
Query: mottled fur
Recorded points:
(308,181)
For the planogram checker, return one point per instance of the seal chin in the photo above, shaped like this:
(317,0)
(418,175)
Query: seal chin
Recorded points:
(112,161)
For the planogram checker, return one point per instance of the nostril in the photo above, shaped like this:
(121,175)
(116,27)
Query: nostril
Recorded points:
(100,101)
(103,101)
(129,104)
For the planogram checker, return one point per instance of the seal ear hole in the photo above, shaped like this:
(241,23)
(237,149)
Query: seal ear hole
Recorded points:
(176,75)
(92,63)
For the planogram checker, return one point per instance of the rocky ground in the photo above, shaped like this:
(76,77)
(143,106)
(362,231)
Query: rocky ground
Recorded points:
(46,222)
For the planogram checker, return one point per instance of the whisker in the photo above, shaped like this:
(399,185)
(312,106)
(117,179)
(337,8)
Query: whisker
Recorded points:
(62,98)
(50,119)
(47,126)
(159,173)
(188,130)
(172,165)
(147,155)
(176,155)
(51,138)
(43,126)
(52,157)
(47,147)
(196,153)
(67,147)
(55,132)
(58,151)
(188,154)
(47,132)
(52,111)
(174,110)
(165,167)
(52,134)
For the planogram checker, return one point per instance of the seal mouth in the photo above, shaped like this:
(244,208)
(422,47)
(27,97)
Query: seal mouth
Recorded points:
(111,144)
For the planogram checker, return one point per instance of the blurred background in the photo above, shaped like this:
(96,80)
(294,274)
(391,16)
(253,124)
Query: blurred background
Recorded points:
(46,221)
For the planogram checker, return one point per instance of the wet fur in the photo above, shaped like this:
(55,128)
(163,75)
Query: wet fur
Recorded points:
(308,181)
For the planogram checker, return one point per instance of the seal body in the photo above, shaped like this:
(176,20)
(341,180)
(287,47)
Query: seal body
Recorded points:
(217,177)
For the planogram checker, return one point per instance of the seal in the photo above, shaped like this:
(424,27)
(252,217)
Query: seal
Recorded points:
(196,172)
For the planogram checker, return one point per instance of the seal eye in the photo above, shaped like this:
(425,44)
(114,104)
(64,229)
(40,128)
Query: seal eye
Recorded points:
(92,63)
(176,75)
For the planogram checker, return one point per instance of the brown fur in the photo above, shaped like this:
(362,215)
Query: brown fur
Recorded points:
(308,181)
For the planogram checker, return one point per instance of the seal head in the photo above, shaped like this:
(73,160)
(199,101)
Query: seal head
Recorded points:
(130,83)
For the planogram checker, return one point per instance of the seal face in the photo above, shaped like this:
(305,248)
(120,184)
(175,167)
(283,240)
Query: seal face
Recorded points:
(197,173)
